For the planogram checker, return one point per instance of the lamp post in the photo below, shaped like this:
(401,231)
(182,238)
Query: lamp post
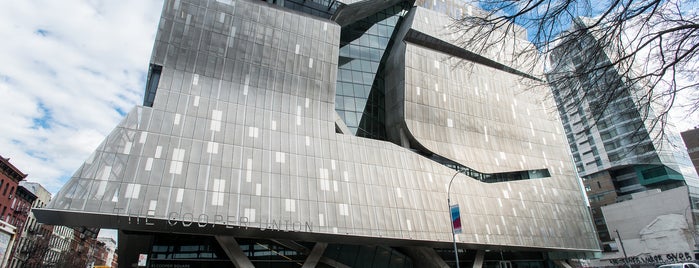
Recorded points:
(626,258)
(453,235)
(690,223)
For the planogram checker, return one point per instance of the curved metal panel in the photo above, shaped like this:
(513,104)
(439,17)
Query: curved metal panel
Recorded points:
(243,142)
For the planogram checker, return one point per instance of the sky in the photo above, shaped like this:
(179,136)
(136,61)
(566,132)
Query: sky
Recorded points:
(69,71)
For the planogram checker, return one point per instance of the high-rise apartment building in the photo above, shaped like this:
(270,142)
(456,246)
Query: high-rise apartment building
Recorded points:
(691,141)
(616,145)
(328,133)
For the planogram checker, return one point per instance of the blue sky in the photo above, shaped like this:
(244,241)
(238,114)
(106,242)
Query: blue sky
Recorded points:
(68,71)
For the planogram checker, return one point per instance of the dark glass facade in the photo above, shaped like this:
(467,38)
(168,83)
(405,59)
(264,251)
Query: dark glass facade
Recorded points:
(368,256)
(266,253)
(189,250)
(360,90)
(154,72)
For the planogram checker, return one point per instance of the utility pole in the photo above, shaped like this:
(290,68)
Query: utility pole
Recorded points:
(453,235)
(626,258)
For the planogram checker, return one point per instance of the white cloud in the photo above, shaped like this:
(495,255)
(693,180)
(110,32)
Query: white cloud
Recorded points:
(68,71)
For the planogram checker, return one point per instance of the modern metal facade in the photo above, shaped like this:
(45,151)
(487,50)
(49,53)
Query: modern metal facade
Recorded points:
(248,132)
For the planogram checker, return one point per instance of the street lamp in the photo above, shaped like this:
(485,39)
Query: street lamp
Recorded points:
(690,222)
(626,258)
(451,223)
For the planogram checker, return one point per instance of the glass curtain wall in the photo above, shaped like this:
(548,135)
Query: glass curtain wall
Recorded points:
(360,95)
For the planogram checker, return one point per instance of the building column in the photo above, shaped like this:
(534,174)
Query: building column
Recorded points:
(562,264)
(235,254)
(293,245)
(480,256)
(404,141)
(424,257)
(315,255)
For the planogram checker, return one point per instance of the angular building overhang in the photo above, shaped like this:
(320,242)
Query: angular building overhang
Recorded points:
(427,41)
(353,12)
(297,231)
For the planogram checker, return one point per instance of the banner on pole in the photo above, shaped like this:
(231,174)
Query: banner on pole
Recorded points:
(455,218)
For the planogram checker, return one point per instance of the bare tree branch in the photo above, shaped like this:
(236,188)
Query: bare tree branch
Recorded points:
(601,51)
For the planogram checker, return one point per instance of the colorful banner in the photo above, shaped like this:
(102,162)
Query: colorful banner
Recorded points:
(142,260)
(455,218)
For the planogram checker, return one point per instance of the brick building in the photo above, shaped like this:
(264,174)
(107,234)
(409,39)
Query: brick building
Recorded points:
(106,253)
(36,244)
(21,207)
(10,176)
